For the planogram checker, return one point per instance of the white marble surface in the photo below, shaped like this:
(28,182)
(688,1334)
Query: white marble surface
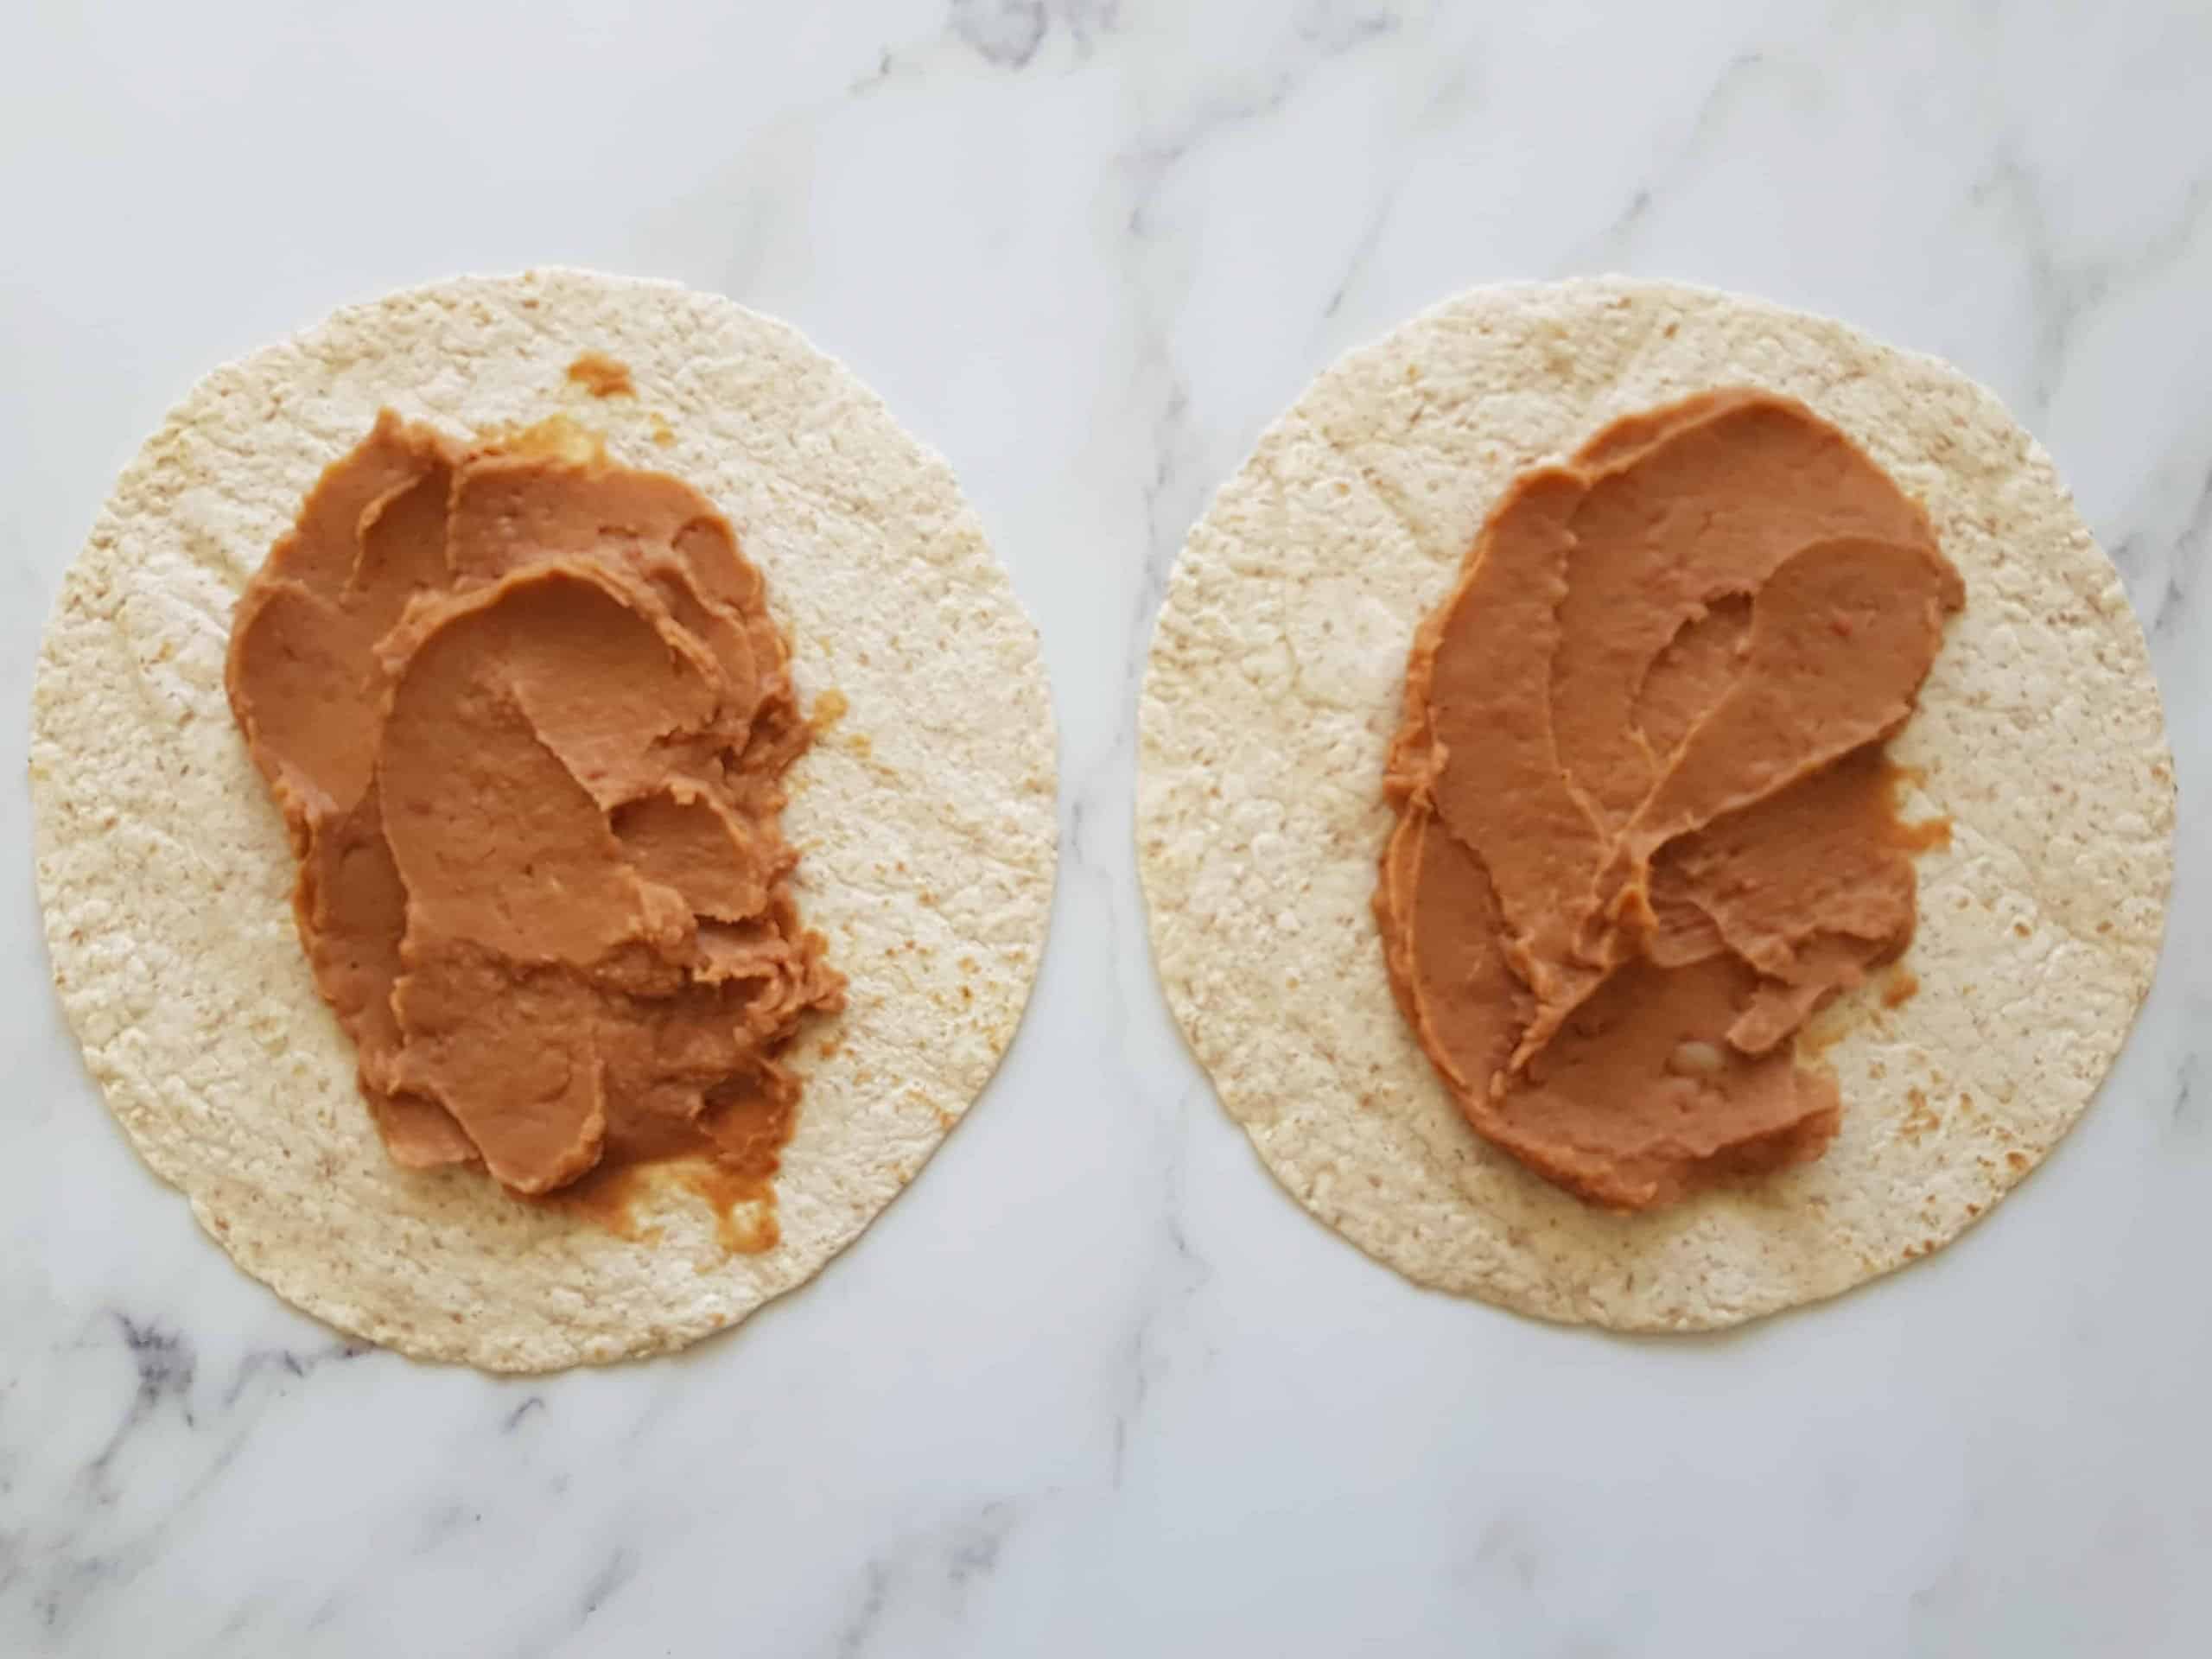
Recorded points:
(1095,1385)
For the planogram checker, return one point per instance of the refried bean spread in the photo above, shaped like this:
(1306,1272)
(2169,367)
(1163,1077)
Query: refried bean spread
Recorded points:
(1645,824)
(527,718)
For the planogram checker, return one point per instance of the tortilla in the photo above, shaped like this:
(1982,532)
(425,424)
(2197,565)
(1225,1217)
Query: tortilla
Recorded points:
(923,814)
(1276,679)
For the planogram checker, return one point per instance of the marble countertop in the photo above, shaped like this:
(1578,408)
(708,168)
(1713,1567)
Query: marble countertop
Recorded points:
(1095,1385)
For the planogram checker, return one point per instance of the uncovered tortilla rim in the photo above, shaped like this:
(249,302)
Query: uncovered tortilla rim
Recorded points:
(923,812)
(1273,687)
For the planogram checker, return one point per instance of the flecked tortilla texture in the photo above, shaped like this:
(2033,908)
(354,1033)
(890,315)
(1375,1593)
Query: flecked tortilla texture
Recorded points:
(1275,681)
(924,814)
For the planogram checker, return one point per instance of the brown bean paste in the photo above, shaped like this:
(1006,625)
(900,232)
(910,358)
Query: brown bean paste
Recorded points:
(1645,824)
(527,717)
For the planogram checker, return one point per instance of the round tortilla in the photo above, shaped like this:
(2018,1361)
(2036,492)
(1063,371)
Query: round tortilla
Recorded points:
(923,814)
(1277,677)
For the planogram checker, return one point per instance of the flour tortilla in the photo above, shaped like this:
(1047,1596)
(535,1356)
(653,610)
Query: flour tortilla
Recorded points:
(1276,679)
(924,815)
